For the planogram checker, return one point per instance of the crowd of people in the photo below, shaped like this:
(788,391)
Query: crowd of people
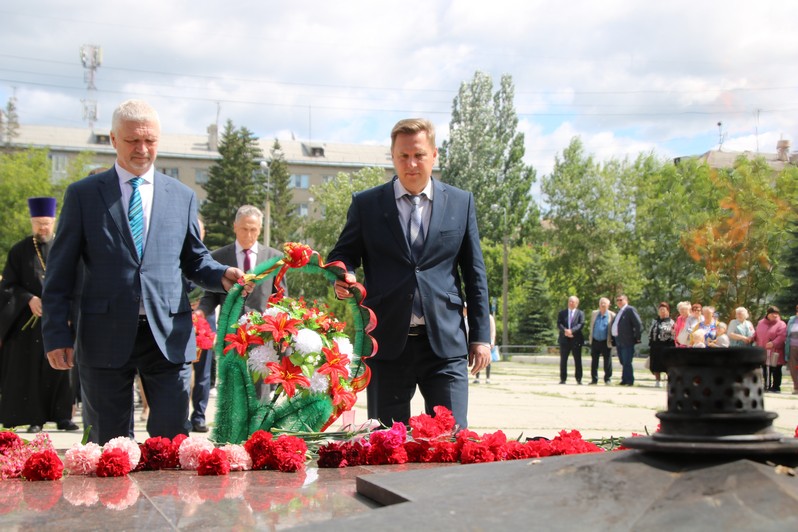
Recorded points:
(695,326)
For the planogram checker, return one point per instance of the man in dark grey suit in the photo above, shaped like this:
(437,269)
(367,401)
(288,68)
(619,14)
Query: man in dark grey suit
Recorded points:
(245,253)
(626,331)
(570,322)
(418,243)
(135,232)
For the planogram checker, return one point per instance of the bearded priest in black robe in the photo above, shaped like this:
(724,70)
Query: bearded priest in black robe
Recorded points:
(31,392)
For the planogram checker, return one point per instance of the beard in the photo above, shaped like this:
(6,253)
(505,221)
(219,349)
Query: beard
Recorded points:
(44,239)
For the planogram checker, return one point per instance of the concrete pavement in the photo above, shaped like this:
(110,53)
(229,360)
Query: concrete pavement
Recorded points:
(525,399)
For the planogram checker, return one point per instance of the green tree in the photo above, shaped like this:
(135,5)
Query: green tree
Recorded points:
(234,180)
(25,174)
(283,211)
(590,220)
(9,124)
(484,154)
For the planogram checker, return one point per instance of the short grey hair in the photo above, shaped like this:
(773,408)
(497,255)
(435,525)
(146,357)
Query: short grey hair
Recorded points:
(602,299)
(743,311)
(684,304)
(134,111)
(246,211)
(576,299)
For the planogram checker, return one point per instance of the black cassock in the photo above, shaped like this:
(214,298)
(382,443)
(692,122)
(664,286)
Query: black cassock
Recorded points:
(32,392)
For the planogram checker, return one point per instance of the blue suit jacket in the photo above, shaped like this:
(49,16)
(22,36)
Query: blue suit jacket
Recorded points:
(93,228)
(577,323)
(452,257)
(630,328)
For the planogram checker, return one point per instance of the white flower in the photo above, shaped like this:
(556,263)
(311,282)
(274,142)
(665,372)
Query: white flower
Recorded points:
(129,446)
(273,311)
(345,347)
(260,356)
(319,383)
(307,341)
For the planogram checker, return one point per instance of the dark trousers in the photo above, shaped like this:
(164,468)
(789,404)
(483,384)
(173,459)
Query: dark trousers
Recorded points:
(625,354)
(599,348)
(202,382)
(566,348)
(108,393)
(772,378)
(442,382)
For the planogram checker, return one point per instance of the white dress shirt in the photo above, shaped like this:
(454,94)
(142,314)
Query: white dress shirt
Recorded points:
(253,256)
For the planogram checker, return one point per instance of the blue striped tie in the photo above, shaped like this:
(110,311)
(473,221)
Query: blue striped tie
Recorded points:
(135,216)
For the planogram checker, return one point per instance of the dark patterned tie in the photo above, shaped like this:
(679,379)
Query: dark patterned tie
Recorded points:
(415,236)
(135,216)
(247,263)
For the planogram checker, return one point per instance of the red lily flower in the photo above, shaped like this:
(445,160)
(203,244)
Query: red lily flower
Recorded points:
(279,325)
(343,396)
(286,374)
(336,365)
(241,339)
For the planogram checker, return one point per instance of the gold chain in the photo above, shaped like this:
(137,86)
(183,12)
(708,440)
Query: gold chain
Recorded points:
(39,254)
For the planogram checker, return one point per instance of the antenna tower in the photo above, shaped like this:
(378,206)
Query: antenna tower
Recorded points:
(92,57)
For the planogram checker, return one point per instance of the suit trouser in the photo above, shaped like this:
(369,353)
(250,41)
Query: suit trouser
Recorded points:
(442,382)
(566,348)
(108,392)
(599,348)
(625,354)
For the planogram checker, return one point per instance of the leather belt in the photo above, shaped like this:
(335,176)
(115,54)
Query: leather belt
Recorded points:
(417,330)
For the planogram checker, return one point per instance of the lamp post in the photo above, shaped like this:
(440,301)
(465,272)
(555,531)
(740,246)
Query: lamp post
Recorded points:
(267,211)
(505,275)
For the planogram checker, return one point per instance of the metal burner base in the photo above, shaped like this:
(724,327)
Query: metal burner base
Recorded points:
(749,449)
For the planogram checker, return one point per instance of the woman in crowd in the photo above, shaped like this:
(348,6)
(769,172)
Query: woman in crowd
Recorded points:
(660,337)
(681,335)
(740,331)
(791,349)
(707,325)
(771,335)
(692,321)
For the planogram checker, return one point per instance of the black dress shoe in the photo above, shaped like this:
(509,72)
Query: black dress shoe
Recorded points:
(199,427)
(67,425)
(34,429)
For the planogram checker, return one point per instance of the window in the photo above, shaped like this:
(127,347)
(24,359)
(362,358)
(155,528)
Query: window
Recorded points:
(171,172)
(200,176)
(60,164)
(327,179)
(298,181)
(302,209)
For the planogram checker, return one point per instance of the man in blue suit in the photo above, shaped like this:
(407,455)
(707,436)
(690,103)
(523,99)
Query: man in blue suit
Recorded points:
(626,329)
(418,243)
(135,231)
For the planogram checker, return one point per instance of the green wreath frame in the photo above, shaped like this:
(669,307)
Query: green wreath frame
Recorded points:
(239,412)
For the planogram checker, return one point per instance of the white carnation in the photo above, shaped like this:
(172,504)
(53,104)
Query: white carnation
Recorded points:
(260,356)
(345,347)
(319,383)
(273,311)
(307,341)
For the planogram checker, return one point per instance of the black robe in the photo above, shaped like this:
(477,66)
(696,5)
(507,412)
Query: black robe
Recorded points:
(31,391)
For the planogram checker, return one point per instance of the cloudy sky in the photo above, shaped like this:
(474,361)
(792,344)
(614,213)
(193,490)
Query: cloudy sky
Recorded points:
(626,76)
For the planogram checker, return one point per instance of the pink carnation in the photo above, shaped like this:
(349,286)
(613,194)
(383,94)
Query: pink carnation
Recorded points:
(190,450)
(238,457)
(129,446)
(82,459)
(12,462)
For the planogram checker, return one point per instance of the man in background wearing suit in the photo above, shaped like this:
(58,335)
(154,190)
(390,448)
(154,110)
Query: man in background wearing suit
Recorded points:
(570,322)
(245,253)
(626,330)
(135,232)
(600,340)
(418,242)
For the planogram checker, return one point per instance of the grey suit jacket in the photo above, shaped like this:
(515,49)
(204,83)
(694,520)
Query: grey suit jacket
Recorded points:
(260,295)
(93,231)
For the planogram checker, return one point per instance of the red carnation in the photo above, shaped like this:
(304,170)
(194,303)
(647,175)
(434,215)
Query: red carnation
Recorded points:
(158,453)
(213,463)
(44,465)
(476,452)
(332,455)
(288,454)
(259,448)
(355,453)
(113,463)
(417,451)
(443,452)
